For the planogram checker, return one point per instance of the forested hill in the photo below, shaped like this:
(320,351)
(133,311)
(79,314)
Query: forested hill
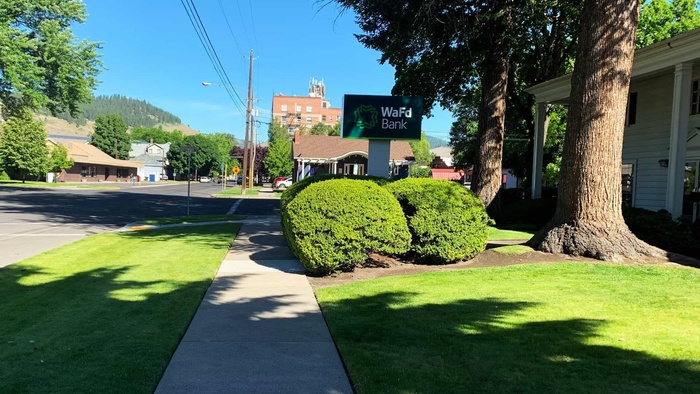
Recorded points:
(136,113)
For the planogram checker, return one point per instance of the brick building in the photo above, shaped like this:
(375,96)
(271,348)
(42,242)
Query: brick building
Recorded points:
(299,112)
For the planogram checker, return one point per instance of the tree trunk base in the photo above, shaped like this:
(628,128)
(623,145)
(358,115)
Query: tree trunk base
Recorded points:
(607,243)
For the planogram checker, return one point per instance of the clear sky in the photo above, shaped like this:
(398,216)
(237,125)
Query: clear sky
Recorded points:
(151,52)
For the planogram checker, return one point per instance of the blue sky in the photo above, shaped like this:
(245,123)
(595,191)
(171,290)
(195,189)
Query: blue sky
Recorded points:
(151,52)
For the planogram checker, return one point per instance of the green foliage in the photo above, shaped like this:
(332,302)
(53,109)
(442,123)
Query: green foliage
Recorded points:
(335,131)
(662,19)
(136,113)
(59,159)
(551,173)
(278,160)
(418,171)
(41,62)
(320,129)
(661,230)
(110,136)
(4,176)
(23,147)
(447,221)
(421,150)
(335,224)
(224,143)
(159,136)
(203,160)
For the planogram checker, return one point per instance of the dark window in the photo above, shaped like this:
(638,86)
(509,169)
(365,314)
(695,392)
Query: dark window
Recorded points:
(632,109)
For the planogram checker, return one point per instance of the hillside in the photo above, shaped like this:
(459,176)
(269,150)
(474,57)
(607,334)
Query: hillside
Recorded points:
(436,142)
(136,113)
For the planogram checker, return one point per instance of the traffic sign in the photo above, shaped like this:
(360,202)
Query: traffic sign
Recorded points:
(236,170)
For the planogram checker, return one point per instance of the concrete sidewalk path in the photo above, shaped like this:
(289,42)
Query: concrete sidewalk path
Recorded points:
(259,328)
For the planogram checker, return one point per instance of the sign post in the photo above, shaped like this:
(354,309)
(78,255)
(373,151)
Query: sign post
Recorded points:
(381,119)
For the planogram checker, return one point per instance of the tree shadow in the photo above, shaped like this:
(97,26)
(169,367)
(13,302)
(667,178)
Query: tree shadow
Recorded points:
(92,331)
(392,345)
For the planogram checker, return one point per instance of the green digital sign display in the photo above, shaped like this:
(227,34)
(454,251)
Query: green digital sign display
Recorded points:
(382,117)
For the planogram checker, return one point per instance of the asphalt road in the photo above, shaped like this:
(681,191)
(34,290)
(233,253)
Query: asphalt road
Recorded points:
(33,221)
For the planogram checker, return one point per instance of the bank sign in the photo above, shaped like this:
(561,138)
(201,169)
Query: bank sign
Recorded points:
(382,117)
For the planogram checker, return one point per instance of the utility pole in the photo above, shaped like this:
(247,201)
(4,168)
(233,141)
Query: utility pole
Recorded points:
(247,167)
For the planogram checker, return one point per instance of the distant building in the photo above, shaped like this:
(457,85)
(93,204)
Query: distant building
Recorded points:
(93,165)
(154,158)
(299,112)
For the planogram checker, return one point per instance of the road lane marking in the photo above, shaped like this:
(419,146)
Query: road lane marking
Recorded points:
(234,207)
(42,235)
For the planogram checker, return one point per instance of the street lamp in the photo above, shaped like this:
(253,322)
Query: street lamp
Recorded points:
(188,150)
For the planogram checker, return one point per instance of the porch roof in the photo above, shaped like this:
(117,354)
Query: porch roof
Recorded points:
(324,148)
(654,59)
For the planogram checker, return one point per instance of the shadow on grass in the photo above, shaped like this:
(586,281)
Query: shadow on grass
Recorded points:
(75,334)
(467,346)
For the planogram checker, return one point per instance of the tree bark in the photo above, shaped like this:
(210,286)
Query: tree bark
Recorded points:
(486,176)
(588,220)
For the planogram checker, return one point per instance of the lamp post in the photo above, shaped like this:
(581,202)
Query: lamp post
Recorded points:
(188,151)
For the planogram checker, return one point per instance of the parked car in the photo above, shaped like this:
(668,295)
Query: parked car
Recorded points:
(285,182)
(204,179)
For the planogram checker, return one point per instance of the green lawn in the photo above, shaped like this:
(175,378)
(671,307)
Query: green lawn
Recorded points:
(540,328)
(236,191)
(497,234)
(190,219)
(104,314)
(36,184)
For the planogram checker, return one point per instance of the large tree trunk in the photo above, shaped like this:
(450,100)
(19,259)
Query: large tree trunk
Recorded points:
(588,220)
(486,176)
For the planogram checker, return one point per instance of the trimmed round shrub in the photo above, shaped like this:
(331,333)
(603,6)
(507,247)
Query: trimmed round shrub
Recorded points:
(333,225)
(291,192)
(447,222)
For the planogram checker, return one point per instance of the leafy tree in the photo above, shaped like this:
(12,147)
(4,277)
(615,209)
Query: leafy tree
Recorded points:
(320,129)
(335,130)
(203,160)
(419,171)
(159,136)
(59,159)
(443,49)
(110,136)
(662,19)
(278,160)
(421,150)
(259,161)
(23,147)
(588,219)
(41,62)
(224,143)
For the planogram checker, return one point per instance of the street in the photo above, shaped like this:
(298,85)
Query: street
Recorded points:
(33,221)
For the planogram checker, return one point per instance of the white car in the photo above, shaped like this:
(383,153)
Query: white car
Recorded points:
(286,182)
(204,179)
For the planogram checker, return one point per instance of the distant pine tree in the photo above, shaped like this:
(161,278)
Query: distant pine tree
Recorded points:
(135,113)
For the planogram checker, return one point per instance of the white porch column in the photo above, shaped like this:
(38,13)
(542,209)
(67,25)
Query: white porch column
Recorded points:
(538,149)
(335,167)
(679,135)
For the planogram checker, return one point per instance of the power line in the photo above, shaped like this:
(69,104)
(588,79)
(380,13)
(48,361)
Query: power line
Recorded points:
(203,36)
(240,13)
(252,20)
(240,51)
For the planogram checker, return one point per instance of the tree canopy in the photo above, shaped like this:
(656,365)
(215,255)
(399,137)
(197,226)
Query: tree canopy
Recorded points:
(204,159)
(278,160)
(662,19)
(23,148)
(42,64)
(136,113)
(110,136)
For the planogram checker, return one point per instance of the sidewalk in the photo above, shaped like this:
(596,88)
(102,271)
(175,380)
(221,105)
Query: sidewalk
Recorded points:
(259,328)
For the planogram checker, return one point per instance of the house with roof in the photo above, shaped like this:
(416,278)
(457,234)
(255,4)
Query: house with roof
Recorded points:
(323,154)
(661,147)
(154,158)
(92,165)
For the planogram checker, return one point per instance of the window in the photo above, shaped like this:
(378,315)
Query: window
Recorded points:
(323,118)
(284,119)
(308,119)
(88,171)
(628,184)
(298,118)
(331,118)
(122,173)
(695,98)
(298,107)
(325,104)
(284,107)
(308,108)
(632,109)
(338,118)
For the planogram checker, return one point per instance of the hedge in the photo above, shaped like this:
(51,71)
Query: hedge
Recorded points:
(335,224)
(447,221)
(292,191)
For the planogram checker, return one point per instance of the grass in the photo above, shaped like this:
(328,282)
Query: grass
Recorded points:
(236,191)
(513,249)
(190,219)
(106,313)
(496,234)
(567,328)
(41,184)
